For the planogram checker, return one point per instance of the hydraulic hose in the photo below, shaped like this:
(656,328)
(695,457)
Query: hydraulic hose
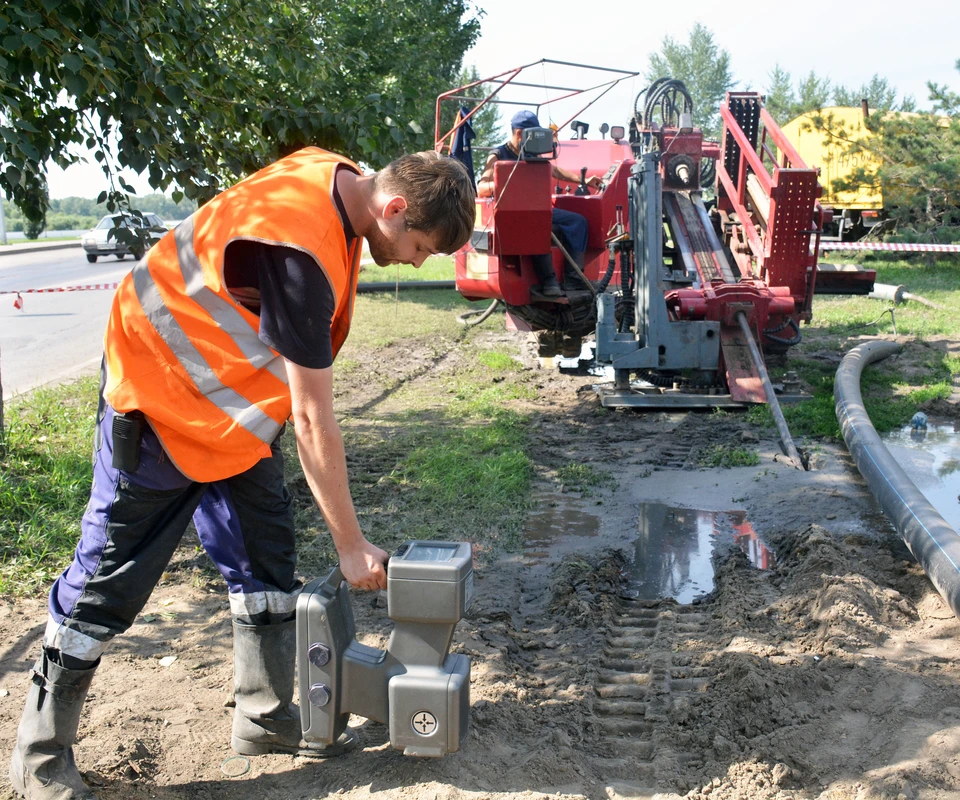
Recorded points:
(467,318)
(389,286)
(930,538)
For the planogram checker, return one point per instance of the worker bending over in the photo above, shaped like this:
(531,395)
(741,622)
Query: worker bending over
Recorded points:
(226,329)
(570,227)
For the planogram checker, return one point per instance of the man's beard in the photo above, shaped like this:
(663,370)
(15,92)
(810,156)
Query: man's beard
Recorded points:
(382,250)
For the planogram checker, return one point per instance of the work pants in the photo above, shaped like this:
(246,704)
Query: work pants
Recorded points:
(571,229)
(133,524)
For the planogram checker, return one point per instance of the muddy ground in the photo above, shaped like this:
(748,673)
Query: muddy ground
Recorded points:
(833,674)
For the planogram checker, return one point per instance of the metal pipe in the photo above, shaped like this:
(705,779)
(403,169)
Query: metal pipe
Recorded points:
(898,295)
(887,291)
(785,437)
(930,538)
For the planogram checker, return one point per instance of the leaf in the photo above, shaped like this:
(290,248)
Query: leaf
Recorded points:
(76,84)
(13,175)
(101,198)
(73,62)
(176,196)
(175,94)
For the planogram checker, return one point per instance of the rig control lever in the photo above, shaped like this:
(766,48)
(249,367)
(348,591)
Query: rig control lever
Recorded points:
(582,189)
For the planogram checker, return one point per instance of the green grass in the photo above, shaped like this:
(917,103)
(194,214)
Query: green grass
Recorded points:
(584,477)
(720,455)
(498,361)
(42,239)
(382,319)
(45,474)
(435,268)
(894,389)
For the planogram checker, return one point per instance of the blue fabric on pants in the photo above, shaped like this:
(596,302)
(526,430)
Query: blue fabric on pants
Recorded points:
(572,229)
(133,524)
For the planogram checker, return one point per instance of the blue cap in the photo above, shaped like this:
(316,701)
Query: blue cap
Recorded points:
(524,119)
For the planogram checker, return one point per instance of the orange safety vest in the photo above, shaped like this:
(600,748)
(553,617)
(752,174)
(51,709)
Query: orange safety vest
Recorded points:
(182,351)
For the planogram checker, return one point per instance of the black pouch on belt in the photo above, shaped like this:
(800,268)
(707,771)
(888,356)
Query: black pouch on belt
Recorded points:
(127,430)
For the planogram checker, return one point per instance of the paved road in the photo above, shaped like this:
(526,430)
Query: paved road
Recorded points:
(55,336)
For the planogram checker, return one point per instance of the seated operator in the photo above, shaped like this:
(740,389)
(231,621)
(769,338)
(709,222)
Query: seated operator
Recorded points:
(570,227)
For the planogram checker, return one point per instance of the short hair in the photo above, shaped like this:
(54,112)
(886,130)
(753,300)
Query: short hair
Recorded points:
(440,196)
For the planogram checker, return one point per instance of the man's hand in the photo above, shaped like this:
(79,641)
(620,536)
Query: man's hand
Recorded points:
(595,181)
(364,568)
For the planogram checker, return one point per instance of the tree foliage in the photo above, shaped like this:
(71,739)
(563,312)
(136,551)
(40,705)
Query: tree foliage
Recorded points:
(914,160)
(197,93)
(945,101)
(703,68)
(815,92)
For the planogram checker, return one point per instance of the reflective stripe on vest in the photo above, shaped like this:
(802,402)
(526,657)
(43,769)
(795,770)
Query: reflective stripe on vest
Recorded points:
(240,410)
(226,315)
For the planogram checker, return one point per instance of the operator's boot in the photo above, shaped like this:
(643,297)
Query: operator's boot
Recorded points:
(543,266)
(42,767)
(572,282)
(265,719)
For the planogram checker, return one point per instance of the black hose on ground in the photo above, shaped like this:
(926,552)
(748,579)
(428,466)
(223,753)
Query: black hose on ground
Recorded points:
(390,286)
(481,316)
(931,540)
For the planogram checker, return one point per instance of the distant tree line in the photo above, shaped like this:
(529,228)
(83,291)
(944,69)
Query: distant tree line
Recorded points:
(914,155)
(80,213)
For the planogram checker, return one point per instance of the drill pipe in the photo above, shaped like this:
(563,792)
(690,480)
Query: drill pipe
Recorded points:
(785,438)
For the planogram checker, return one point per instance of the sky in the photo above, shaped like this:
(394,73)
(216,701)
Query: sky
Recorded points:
(908,43)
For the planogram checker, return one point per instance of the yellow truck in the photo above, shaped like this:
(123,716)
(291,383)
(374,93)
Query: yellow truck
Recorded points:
(855,211)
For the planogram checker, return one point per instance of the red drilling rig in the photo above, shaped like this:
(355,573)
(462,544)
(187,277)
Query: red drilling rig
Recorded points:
(700,255)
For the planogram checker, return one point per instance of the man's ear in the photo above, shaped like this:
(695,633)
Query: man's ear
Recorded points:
(394,206)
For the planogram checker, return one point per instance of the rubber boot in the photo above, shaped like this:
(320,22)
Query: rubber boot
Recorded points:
(42,767)
(571,280)
(265,719)
(543,266)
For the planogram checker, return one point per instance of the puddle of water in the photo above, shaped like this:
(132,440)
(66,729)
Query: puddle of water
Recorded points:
(931,459)
(673,554)
(553,524)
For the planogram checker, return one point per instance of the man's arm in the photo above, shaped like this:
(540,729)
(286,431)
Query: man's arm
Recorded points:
(485,184)
(320,446)
(563,175)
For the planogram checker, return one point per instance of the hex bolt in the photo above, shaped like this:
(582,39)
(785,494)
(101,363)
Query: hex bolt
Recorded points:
(319,695)
(319,654)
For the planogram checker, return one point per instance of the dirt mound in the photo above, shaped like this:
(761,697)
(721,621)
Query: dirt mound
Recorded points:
(584,587)
(835,594)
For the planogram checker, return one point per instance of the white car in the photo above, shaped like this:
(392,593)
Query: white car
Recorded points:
(97,243)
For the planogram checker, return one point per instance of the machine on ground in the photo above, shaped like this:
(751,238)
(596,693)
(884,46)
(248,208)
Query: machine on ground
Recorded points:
(416,687)
(701,255)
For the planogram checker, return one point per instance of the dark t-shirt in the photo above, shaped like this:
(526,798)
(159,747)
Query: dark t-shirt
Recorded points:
(289,292)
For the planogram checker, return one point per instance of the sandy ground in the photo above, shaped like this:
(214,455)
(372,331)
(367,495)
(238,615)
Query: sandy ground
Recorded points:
(833,674)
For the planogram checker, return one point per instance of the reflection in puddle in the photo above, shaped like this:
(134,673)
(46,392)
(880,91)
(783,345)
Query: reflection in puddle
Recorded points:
(673,552)
(931,459)
(553,522)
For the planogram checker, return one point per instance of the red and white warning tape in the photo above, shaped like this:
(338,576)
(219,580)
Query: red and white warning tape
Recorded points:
(900,247)
(18,300)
